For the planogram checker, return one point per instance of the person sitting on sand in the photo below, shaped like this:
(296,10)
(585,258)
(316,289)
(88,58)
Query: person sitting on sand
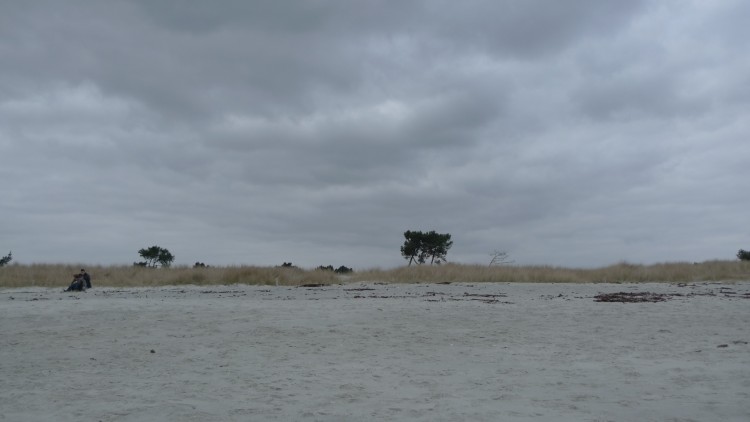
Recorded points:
(86,278)
(78,284)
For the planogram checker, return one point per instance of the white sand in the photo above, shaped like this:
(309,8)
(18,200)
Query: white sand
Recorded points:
(539,352)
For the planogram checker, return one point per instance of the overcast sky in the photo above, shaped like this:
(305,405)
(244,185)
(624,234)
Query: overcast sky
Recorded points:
(233,132)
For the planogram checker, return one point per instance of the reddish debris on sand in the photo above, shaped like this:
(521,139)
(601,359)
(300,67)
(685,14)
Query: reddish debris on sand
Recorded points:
(631,297)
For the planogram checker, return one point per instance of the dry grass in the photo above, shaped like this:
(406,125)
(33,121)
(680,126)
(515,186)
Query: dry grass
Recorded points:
(48,275)
(619,273)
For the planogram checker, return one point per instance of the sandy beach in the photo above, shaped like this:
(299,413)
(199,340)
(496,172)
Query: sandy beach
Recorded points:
(362,352)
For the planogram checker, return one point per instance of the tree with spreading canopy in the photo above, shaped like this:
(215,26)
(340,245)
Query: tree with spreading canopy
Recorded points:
(743,255)
(155,256)
(419,246)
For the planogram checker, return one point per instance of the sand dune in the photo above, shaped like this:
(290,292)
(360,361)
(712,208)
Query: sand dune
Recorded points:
(460,352)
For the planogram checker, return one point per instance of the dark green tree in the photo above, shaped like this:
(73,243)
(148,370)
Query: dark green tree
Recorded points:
(419,246)
(743,255)
(154,257)
(6,259)
(436,245)
(412,248)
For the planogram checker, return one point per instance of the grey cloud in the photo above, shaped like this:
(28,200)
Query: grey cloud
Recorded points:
(526,29)
(637,97)
(568,133)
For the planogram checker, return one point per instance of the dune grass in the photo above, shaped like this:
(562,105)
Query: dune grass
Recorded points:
(60,275)
(619,273)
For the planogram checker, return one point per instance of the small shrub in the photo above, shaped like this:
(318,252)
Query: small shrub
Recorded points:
(743,255)
(340,270)
(343,270)
(6,259)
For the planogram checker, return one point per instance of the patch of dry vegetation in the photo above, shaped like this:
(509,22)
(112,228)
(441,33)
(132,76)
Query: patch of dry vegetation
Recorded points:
(60,275)
(681,272)
(48,275)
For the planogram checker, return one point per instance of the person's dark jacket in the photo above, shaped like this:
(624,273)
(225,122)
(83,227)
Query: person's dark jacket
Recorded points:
(78,284)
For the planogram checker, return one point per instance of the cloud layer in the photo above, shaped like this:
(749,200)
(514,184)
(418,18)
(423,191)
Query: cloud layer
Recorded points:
(232,132)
